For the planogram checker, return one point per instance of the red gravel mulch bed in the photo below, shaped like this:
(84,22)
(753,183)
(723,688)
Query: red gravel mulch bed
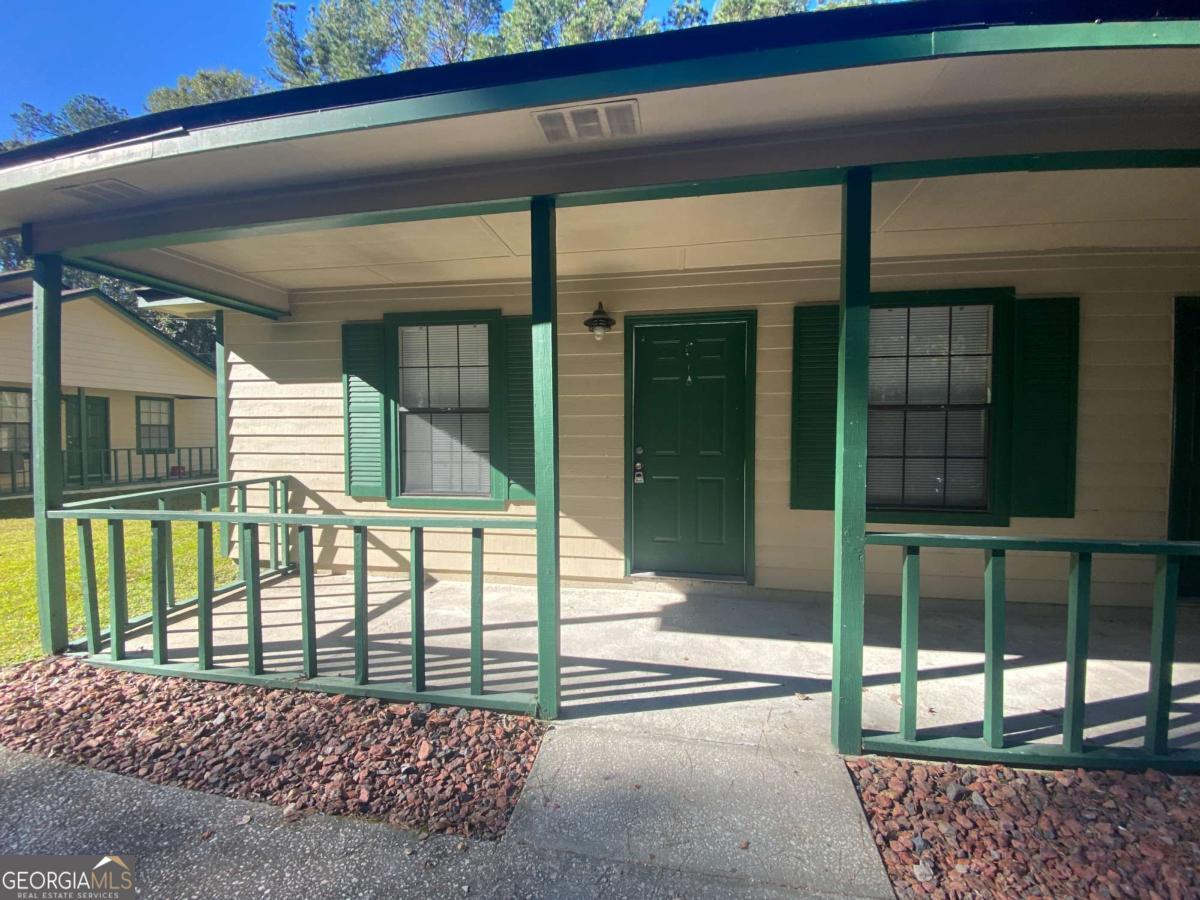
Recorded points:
(443,769)
(949,831)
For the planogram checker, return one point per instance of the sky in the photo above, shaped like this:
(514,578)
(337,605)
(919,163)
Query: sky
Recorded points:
(123,49)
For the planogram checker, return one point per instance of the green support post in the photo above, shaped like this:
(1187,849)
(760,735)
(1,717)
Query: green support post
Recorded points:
(81,401)
(1162,653)
(47,452)
(308,601)
(361,638)
(285,506)
(170,550)
(993,648)
(118,605)
(544,273)
(204,592)
(1079,599)
(222,449)
(850,480)
(160,539)
(910,603)
(273,531)
(248,553)
(476,610)
(87,582)
(416,604)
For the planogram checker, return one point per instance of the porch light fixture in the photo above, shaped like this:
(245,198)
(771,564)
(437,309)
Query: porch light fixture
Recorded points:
(600,323)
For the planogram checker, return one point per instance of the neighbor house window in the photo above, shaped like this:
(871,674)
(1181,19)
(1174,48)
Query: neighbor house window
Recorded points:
(444,403)
(930,420)
(15,432)
(155,424)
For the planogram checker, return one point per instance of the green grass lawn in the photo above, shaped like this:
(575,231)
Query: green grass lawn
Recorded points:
(19,635)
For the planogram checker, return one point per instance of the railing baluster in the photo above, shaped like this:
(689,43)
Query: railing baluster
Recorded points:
(248,551)
(476,610)
(910,602)
(308,601)
(1162,653)
(1079,601)
(162,505)
(360,605)
(416,602)
(159,541)
(273,508)
(993,649)
(285,550)
(204,587)
(87,580)
(118,606)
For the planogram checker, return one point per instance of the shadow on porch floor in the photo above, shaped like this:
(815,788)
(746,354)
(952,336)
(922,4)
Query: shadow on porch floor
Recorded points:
(706,666)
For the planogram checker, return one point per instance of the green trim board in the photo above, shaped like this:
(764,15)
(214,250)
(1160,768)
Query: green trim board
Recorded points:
(631,325)
(141,401)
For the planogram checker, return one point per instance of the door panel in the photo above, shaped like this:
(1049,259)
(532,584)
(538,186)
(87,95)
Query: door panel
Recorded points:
(1185,467)
(689,411)
(97,433)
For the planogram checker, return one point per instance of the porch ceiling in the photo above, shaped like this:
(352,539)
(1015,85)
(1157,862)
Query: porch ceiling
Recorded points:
(995,213)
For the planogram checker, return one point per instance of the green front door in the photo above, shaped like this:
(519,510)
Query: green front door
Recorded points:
(97,439)
(1185,464)
(690,437)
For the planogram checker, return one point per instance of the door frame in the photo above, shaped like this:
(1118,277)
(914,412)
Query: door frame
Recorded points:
(748,317)
(1174,512)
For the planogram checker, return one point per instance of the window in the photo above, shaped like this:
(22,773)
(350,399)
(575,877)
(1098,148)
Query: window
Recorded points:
(14,427)
(444,409)
(155,425)
(930,395)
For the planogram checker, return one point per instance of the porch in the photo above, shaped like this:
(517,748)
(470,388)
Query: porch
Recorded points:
(702,661)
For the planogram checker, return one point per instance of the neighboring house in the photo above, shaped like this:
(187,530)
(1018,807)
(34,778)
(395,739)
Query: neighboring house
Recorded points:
(150,408)
(892,268)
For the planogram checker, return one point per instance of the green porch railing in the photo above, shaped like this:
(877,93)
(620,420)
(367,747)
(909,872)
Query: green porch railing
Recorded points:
(993,745)
(111,466)
(284,530)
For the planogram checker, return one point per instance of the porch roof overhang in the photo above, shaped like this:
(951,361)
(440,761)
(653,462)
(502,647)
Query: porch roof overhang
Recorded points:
(773,104)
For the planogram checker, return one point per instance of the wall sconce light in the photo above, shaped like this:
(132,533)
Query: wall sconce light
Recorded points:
(600,323)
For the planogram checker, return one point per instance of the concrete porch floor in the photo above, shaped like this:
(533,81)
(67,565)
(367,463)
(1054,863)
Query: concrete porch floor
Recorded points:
(667,662)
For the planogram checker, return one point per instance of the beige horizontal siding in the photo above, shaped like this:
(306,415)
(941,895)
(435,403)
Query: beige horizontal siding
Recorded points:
(286,415)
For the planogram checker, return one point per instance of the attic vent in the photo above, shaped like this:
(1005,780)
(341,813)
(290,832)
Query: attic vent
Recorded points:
(589,123)
(107,190)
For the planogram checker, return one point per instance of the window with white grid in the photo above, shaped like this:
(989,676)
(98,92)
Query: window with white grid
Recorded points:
(154,422)
(930,420)
(15,418)
(444,409)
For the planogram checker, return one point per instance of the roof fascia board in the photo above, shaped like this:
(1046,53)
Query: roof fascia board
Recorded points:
(793,60)
(222,300)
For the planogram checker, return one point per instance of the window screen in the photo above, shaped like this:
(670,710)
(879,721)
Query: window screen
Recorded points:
(14,425)
(154,424)
(444,409)
(929,428)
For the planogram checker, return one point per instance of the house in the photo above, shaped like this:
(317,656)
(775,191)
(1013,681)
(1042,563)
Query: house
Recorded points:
(149,406)
(817,303)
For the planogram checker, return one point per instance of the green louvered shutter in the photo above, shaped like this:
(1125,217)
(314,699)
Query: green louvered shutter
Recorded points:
(364,371)
(814,405)
(518,412)
(1045,407)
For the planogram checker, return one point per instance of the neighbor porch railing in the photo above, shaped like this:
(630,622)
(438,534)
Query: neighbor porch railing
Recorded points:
(1073,750)
(111,466)
(285,531)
